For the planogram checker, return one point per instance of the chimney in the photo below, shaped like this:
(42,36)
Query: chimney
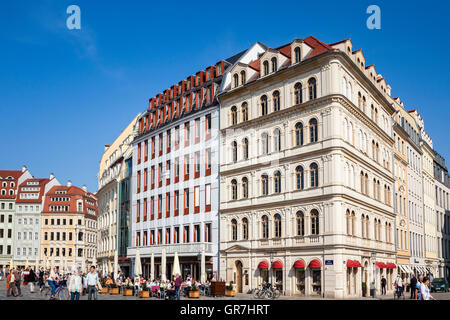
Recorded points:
(24,168)
(51,176)
(69,183)
(84,188)
(107,146)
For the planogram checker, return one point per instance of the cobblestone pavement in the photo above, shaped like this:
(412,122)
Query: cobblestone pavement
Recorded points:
(27,295)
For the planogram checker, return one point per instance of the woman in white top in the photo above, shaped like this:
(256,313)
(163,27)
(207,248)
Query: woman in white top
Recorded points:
(425,289)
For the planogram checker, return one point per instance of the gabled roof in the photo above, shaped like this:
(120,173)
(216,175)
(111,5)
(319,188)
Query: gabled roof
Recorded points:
(15,174)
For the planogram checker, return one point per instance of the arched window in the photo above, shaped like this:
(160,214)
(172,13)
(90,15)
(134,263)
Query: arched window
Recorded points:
(277,226)
(348,219)
(244,110)
(245,148)
(298,93)
(277,140)
(234,230)
(364,104)
(244,188)
(245,229)
(312,88)
(299,134)
(300,178)
(265,227)
(300,218)
(233,115)
(314,172)
(363,184)
(344,86)
(264,105)
(233,189)
(314,222)
(264,143)
(276,101)
(347,174)
(352,176)
(234,151)
(367,227)
(264,185)
(243,79)
(353,218)
(11,192)
(366,183)
(266,67)
(236,80)
(349,91)
(350,132)
(345,129)
(363,226)
(277,182)
(274,64)
(297,53)
(313,135)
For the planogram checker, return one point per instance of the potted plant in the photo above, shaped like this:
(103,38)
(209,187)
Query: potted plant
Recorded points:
(229,290)
(113,289)
(144,293)
(104,287)
(194,292)
(364,289)
(127,290)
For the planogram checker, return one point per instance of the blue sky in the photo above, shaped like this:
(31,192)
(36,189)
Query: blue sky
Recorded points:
(64,94)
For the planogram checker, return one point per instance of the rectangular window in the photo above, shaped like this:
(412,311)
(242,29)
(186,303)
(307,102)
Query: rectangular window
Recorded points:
(159,236)
(138,209)
(160,206)
(167,236)
(152,177)
(208,127)
(197,130)
(145,209)
(168,172)
(153,148)
(160,175)
(152,208)
(138,239)
(138,182)
(176,202)
(152,237)
(168,141)
(186,167)
(145,150)
(207,197)
(176,235)
(177,137)
(208,162)
(208,232)
(197,199)
(187,134)
(186,234)
(197,237)
(167,204)
(186,201)
(160,144)
(139,153)
(145,179)
(177,169)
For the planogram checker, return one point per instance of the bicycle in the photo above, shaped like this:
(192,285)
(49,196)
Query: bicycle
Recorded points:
(398,293)
(267,291)
(61,292)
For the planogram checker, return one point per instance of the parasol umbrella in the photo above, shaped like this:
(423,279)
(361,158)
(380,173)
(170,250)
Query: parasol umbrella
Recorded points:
(47,264)
(163,265)
(152,267)
(137,266)
(203,268)
(176,265)
(26,264)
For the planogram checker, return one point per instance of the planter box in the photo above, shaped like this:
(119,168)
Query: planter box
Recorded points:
(104,290)
(114,291)
(144,294)
(230,293)
(128,292)
(194,294)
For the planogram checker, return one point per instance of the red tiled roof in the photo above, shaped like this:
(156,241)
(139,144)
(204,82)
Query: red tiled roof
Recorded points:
(318,46)
(42,183)
(15,174)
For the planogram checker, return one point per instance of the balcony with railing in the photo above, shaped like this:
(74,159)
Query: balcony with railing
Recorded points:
(183,249)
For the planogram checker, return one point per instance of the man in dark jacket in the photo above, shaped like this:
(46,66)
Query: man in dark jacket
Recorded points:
(18,280)
(413,284)
(383,285)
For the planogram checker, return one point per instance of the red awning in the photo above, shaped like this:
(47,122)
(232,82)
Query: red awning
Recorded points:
(381,265)
(391,265)
(299,264)
(356,264)
(277,265)
(263,265)
(315,264)
(350,263)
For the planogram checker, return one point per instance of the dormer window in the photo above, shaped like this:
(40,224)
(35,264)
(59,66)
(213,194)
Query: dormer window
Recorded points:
(236,80)
(274,64)
(266,67)
(297,54)
(243,77)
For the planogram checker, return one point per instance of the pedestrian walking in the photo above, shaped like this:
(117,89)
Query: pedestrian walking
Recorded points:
(413,283)
(418,288)
(91,282)
(75,285)
(11,284)
(18,281)
(425,289)
(178,282)
(383,285)
(31,279)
